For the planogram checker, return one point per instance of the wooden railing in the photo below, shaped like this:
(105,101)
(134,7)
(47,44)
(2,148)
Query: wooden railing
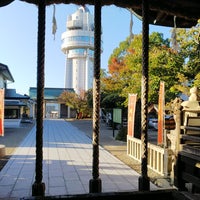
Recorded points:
(159,159)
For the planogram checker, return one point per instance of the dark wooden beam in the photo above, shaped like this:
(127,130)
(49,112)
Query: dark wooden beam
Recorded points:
(186,12)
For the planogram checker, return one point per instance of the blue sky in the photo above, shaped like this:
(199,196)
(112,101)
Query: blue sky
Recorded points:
(18,41)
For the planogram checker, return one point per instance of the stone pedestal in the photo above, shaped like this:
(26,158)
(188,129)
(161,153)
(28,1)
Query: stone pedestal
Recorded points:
(2,150)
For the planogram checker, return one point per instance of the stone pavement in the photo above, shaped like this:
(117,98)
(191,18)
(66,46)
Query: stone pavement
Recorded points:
(67,165)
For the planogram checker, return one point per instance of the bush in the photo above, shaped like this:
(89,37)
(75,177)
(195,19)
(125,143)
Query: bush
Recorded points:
(122,134)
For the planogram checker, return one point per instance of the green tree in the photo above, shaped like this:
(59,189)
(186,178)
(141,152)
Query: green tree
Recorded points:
(188,41)
(164,65)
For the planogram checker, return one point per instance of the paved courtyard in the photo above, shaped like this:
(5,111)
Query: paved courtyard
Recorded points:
(67,165)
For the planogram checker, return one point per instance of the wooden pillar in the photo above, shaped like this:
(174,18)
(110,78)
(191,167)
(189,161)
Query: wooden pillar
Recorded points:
(95,182)
(144,183)
(38,188)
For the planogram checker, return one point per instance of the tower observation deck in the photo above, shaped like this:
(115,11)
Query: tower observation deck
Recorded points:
(78,45)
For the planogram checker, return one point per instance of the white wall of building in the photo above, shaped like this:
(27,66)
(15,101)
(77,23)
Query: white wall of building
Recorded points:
(1,81)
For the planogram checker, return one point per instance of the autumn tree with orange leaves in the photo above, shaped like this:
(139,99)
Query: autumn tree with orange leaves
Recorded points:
(79,102)
(125,68)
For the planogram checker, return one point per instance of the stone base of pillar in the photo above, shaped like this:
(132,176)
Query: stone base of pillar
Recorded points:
(95,185)
(38,189)
(144,183)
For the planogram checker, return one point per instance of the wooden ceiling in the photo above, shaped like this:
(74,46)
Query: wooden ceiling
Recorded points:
(161,12)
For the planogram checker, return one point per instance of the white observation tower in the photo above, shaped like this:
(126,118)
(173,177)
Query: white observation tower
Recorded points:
(78,45)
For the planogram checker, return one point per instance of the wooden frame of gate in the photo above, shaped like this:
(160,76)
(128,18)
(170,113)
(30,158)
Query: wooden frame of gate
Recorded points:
(150,11)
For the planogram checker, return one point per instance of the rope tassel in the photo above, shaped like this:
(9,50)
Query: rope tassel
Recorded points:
(131,27)
(174,37)
(54,24)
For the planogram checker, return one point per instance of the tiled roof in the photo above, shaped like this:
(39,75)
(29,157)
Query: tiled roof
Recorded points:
(11,94)
(4,70)
(14,103)
(49,93)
